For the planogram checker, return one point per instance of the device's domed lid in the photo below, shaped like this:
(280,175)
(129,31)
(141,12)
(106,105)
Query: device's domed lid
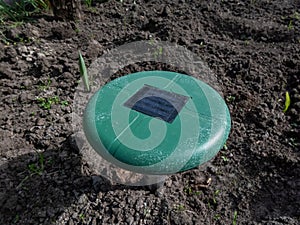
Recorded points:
(156,122)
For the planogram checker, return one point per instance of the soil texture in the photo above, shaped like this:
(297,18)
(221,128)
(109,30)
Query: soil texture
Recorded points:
(253,47)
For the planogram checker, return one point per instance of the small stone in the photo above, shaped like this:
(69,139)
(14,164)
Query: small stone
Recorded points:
(40,122)
(40,55)
(264,38)
(82,199)
(168,183)
(249,185)
(62,120)
(130,220)
(6,71)
(22,65)
(23,97)
(71,221)
(10,51)
(35,33)
(27,83)
(93,49)
(29,59)
(22,49)
(45,143)
(68,75)
(94,221)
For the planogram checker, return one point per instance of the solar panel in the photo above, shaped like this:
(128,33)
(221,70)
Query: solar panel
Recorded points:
(157,103)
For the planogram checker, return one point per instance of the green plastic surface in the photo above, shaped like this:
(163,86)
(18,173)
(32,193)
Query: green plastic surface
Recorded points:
(140,143)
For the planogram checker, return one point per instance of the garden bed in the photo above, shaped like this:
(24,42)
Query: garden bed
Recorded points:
(253,47)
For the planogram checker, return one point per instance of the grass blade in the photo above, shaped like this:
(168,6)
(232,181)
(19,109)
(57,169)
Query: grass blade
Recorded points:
(83,72)
(287,101)
(234,221)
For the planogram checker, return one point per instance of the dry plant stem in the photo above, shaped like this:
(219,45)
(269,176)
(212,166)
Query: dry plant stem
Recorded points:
(208,182)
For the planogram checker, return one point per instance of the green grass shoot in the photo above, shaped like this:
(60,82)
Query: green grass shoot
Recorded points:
(83,72)
(234,221)
(20,10)
(287,101)
(88,3)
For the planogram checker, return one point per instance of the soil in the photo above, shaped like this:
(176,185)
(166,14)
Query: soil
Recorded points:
(253,47)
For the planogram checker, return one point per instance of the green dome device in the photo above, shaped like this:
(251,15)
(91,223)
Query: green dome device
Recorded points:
(156,122)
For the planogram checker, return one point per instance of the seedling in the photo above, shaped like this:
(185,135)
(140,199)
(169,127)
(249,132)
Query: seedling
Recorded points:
(83,72)
(180,207)
(190,191)
(287,101)
(46,103)
(158,52)
(17,218)
(77,30)
(292,142)
(46,85)
(152,41)
(225,159)
(296,16)
(225,147)
(230,98)
(246,42)
(234,221)
(88,3)
(215,195)
(81,216)
(223,156)
(64,103)
(39,167)
(217,217)
(292,18)
(290,26)
(146,212)
(34,168)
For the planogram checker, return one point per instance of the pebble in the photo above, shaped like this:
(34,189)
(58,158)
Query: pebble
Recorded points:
(11,52)
(27,83)
(40,122)
(82,199)
(35,33)
(130,220)
(41,55)
(29,59)
(23,97)
(22,49)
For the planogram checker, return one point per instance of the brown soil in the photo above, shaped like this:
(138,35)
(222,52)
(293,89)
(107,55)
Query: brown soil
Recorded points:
(253,47)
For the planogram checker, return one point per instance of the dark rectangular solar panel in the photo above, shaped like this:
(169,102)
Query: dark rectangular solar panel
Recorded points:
(157,103)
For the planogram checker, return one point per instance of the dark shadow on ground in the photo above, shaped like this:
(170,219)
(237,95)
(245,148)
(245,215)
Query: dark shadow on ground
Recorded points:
(278,194)
(37,187)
